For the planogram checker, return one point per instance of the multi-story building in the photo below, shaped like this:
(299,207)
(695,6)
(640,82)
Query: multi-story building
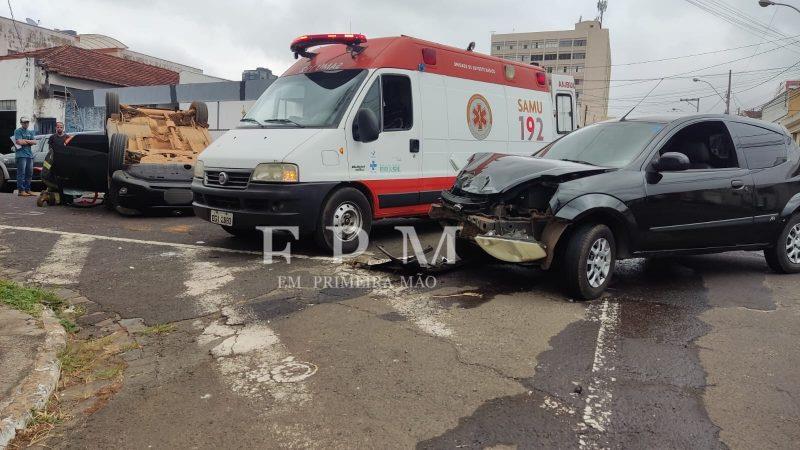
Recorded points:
(260,73)
(784,108)
(584,53)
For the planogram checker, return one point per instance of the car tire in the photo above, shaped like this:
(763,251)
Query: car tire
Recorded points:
(240,232)
(349,208)
(117,146)
(784,257)
(200,113)
(112,104)
(588,261)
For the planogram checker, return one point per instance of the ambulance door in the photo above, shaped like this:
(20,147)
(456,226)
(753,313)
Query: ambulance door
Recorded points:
(566,116)
(391,165)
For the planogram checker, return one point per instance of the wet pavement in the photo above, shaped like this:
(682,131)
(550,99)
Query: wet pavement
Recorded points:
(694,352)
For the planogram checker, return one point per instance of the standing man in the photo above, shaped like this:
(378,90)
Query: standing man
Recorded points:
(59,139)
(23,137)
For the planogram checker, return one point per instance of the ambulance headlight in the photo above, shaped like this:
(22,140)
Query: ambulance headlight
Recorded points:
(199,169)
(275,173)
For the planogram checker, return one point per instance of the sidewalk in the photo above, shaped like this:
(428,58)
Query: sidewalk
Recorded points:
(29,367)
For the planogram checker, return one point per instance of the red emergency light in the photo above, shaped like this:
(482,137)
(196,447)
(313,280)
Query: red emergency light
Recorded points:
(301,45)
(541,78)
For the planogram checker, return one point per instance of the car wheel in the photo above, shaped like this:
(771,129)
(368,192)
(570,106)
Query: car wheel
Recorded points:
(588,261)
(240,232)
(200,113)
(785,256)
(349,210)
(116,152)
(112,104)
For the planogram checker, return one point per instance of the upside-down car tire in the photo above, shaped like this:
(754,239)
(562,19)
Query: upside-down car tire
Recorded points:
(784,257)
(588,261)
(200,112)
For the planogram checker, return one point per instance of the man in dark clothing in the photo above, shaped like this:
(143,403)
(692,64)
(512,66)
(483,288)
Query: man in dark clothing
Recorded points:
(59,139)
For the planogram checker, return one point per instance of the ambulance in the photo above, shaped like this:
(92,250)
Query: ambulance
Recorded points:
(359,130)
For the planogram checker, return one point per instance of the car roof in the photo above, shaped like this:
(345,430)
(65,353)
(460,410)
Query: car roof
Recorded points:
(677,120)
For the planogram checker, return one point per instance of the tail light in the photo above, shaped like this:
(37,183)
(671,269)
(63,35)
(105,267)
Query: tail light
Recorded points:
(300,45)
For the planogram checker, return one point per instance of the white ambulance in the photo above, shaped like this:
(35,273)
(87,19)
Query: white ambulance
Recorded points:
(359,130)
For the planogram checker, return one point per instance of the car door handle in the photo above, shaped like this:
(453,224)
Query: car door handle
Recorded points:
(414,146)
(737,184)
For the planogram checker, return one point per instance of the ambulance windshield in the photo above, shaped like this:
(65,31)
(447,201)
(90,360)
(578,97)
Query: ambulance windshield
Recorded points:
(313,100)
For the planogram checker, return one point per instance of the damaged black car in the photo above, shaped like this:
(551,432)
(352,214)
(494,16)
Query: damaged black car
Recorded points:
(630,189)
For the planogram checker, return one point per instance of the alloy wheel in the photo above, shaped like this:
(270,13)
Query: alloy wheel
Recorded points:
(793,245)
(598,263)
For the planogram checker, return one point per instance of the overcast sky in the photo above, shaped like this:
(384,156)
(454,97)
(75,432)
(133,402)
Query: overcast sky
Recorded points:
(225,37)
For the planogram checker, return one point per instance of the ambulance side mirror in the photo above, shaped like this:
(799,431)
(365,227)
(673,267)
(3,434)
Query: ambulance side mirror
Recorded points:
(365,126)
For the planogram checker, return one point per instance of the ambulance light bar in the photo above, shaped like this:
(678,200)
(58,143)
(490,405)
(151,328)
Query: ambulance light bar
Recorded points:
(301,45)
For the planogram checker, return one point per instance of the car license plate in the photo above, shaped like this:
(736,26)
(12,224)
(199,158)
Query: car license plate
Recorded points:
(222,218)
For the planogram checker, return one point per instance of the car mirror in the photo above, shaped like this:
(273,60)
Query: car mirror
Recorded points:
(365,126)
(671,162)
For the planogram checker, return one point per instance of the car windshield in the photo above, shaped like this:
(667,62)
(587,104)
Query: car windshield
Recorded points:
(613,144)
(317,100)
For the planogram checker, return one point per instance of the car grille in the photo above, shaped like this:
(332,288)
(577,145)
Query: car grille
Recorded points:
(236,179)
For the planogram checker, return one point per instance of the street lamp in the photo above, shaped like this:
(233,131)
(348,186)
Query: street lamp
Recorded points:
(765,3)
(698,80)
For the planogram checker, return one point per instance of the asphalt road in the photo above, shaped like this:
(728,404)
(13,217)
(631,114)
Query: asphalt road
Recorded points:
(696,352)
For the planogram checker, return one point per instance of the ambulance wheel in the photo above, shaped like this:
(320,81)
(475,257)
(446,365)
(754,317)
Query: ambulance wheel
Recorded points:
(200,113)
(112,104)
(349,210)
(116,153)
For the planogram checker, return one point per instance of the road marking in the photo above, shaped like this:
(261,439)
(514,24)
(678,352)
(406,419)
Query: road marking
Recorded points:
(205,282)
(64,263)
(165,244)
(597,412)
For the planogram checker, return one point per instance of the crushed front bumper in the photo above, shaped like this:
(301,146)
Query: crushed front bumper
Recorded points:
(137,193)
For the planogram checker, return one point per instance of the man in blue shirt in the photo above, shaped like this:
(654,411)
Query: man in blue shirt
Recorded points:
(23,137)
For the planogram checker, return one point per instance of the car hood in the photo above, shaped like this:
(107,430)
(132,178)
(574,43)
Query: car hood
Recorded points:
(247,147)
(494,173)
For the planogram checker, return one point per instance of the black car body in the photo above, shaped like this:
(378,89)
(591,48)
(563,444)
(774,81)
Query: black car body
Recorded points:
(650,186)
(83,164)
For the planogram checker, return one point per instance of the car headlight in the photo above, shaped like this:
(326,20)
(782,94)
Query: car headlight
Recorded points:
(275,173)
(199,169)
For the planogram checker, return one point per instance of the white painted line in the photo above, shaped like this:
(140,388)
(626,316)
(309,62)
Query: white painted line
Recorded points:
(597,412)
(64,263)
(205,283)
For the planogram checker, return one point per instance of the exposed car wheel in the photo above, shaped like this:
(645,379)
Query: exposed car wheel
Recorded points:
(116,152)
(348,210)
(200,112)
(785,256)
(112,104)
(588,262)
(241,232)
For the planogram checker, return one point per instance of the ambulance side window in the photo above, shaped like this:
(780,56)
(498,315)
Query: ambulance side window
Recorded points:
(565,119)
(397,107)
(372,100)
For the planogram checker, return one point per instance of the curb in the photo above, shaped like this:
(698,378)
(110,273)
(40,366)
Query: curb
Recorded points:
(35,389)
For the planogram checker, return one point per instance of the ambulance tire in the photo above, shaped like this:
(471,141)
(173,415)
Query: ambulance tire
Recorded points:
(200,113)
(350,209)
(112,104)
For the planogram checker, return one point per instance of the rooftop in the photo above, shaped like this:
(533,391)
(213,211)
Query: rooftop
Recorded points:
(96,65)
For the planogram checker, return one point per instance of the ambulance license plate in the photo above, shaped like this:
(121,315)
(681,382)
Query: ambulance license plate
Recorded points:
(222,218)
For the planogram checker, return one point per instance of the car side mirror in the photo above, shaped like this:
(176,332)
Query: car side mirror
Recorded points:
(671,162)
(365,126)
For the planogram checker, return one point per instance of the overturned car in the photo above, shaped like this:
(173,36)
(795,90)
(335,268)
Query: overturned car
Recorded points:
(633,188)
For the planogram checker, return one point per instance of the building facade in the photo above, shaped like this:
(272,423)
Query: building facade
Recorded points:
(784,108)
(584,53)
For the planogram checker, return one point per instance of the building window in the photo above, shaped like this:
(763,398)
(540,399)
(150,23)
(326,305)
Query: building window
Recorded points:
(551,44)
(537,44)
(549,69)
(522,57)
(498,47)
(511,47)
(578,82)
(537,57)
(579,43)
(565,69)
(579,55)
(565,43)
(578,69)
(550,57)
(525,46)
(563,56)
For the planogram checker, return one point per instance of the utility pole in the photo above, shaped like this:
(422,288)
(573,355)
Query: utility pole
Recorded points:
(728,97)
(693,101)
